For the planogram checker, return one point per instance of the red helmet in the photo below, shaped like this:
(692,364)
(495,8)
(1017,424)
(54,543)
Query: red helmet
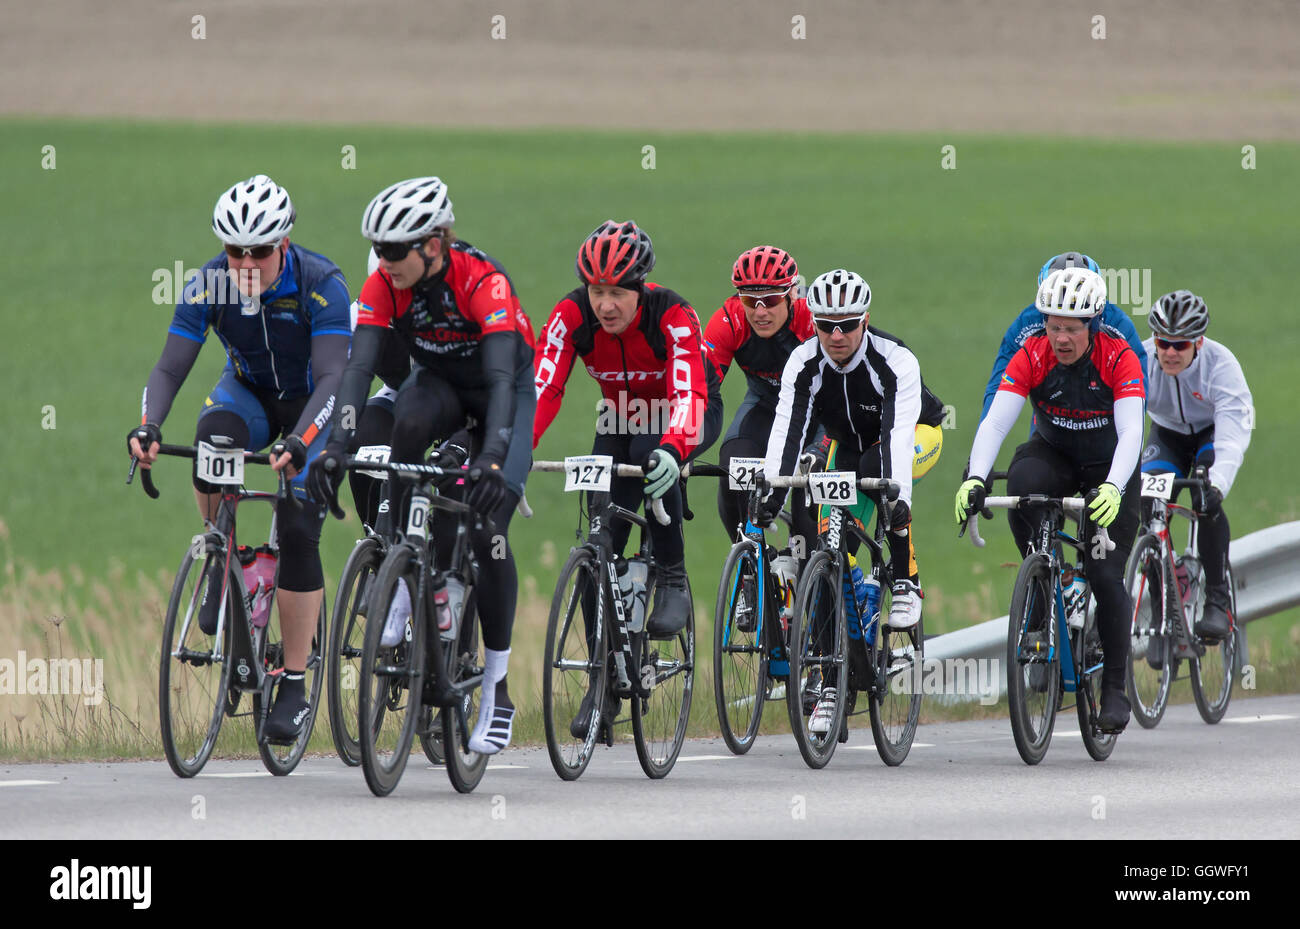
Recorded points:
(764,266)
(616,254)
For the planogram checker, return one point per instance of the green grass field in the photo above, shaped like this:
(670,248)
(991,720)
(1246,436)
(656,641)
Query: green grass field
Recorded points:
(951,256)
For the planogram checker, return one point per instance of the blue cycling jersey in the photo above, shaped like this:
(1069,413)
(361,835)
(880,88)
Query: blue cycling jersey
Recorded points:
(268,341)
(1030,322)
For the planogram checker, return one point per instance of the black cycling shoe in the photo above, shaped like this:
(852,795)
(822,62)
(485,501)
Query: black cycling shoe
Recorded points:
(1114,711)
(1035,643)
(578,728)
(211,605)
(1214,624)
(290,711)
(672,602)
(746,606)
(1156,651)
(812,692)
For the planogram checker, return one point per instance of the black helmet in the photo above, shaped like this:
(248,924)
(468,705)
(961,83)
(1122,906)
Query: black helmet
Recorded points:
(1179,315)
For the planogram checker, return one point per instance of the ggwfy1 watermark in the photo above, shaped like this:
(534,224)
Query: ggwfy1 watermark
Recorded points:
(959,677)
(52,676)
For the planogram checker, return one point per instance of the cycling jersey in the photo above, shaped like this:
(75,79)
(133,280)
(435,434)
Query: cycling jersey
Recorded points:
(729,337)
(269,342)
(1210,392)
(1114,322)
(659,357)
(873,401)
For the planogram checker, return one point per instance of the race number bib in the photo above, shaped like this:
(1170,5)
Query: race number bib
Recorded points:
(219,465)
(376,453)
(415,523)
(587,472)
(833,488)
(1158,485)
(741,472)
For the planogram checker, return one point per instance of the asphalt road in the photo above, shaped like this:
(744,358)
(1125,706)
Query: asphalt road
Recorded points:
(1236,780)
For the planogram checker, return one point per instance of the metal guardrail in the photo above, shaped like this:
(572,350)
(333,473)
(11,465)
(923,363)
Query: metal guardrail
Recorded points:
(1265,564)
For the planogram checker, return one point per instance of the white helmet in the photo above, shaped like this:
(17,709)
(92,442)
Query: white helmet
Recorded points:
(1075,292)
(253,212)
(408,211)
(839,293)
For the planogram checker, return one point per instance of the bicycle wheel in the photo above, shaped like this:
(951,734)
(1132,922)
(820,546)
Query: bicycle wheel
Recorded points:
(667,671)
(464,660)
(193,682)
(739,665)
(1147,583)
(281,759)
(1033,674)
(897,662)
(818,657)
(388,705)
(1212,671)
(1087,697)
(573,668)
(347,637)
(430,733)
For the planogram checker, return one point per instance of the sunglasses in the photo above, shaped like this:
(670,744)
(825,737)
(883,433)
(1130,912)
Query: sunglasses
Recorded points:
(1180,346)
(253,251)
(766,301)
(845,324)
(395,251)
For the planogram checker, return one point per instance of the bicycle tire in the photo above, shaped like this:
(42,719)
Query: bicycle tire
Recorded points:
(819,589)
(281,759)
(1212,672)
(1087,697)
(739,662)
(391,680)
(896,654)
(1147,582)
(1031,720)
(659,721)
(347,639)
(191,703)
(572,667)
(463,660)
(430,735)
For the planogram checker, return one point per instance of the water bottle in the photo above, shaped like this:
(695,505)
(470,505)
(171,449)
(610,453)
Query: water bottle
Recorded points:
(259,579)
(442,606)
(1189,581)
(455,589)
(632,576)
(869,604)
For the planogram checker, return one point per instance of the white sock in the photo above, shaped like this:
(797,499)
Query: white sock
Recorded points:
(493,728)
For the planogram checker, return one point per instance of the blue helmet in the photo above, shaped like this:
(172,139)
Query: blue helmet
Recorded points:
(1066,260)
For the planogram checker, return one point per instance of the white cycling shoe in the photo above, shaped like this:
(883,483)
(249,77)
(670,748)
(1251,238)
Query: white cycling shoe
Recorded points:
(905,605)
(824,713)
(492,731)
(399,611)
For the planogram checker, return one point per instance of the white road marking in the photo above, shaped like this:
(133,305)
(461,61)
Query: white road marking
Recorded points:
(704,758)
(872,748)
(1272,718)
(24,783)
(234,774)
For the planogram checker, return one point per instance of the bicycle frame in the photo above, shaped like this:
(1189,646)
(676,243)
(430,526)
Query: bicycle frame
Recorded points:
(1188,644)
(601,544)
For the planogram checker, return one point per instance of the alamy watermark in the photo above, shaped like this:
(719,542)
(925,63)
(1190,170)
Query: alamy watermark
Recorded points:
(638,416)
(1129,288)
(959,677)
(51,676)
(212,286)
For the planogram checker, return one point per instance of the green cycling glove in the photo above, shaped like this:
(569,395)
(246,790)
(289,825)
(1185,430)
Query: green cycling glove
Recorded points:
(970,499)
(1105,505)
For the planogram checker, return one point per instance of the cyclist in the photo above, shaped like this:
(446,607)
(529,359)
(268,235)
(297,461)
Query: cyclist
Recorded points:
(642,344)
(1086,388)
(281,313)
(759,328)
(1114,322)
(456,312)
(863,386)
(1201,413)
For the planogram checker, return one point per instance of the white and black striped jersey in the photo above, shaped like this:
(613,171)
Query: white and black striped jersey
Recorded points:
(873,402)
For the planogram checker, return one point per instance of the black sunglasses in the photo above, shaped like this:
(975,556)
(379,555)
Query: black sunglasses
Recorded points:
(845,324)
(395,251)
(1180,346)
(254,251)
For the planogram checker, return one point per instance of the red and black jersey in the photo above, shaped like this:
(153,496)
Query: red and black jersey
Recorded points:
(1074,404)
(659,357)
(441,319)
(729,337)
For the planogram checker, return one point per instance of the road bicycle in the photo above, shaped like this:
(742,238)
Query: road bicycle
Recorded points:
(203,676)
(1168,593)
(1052,650)
(598,650)
(403,686)
(872,658)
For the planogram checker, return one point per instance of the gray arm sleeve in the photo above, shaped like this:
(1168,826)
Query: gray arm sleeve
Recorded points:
(178,357)
(329,356)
